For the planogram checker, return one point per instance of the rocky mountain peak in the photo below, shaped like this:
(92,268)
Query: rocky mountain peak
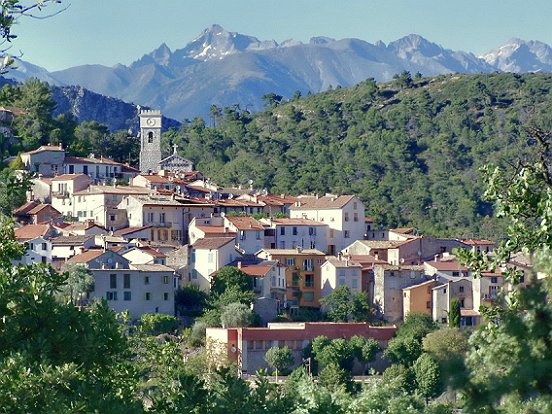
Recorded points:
(414,43)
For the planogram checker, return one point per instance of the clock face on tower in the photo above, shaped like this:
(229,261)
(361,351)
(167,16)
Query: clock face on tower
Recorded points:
(150,122)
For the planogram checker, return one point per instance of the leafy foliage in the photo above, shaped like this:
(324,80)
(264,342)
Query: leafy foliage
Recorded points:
(343,306)
(279,358)
(454,314)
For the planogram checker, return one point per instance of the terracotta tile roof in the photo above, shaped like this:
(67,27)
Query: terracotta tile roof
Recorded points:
(212,243)
(255,270)
(329,202)
(277,199)
(367,259)
(478,242)
(86,256)
(129,169)
(68,177)
(236,203)
(417,268)
(245,223)
(32,231)
(45,148)
(491,274)
(25,208)
(294,222)
(381,244)
(342,263)
(216,231)
(81,226)
(129,230)
(152,251)
(447,266)
(199,189)
(41,207)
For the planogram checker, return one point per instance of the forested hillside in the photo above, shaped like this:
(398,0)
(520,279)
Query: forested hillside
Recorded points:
(412,148)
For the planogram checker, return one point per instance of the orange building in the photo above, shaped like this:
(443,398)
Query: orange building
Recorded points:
(303,280)
(418,298)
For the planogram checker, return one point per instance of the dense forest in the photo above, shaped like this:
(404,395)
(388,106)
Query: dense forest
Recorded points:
(412,149)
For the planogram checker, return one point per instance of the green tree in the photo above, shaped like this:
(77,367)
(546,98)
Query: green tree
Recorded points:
(334,377)
(280,359)
(454,314)
(416,325)
(157,323)
(79,280)
(272,99)
(403,350)
(427,375)
(13,190)
(230,277)
(510,361)
(346,307)
(236,315)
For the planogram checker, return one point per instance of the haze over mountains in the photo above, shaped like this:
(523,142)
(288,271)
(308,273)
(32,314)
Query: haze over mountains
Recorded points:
(226,68)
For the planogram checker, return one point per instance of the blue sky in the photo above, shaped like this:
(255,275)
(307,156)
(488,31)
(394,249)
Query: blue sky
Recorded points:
(120,31)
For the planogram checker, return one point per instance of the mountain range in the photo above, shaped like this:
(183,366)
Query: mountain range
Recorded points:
(226,68)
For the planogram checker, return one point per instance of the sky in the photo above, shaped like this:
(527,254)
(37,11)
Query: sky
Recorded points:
(120,31)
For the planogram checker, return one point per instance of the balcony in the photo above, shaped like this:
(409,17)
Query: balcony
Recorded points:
(60,194)
(167,224)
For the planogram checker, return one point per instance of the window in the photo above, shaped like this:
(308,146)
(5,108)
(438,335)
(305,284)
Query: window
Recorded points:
(355,217)
(242,235)
(127,296)
(294,231)
(444,291)
(346,216)
(162,217)
(347,234)
(150,137)
(282,231)
(146,280)
(148,296)
(44,246)
(522,279)
(85,169)
(282,245)
(295,277)
(456,273)
(165,280)
(309,280)
(461,289)
(126,281)
(308,265)
(308,296)
(43,259)
(111,295)
(258,235)
(150,217)
(290,261)
(428,305)
(354,283)
(342,272)
(443,320)
(112,281)
(210,257)
(355,205)
(494,279)
(165,296)
(462,303)
(312,231)
(341,282)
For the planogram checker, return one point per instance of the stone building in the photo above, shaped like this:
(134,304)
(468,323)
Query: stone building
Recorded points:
(175,163)
(150,136)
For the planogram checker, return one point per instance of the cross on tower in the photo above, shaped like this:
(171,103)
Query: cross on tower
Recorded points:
(174,148)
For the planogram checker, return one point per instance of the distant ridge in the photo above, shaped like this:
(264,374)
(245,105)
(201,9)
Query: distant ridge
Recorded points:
(226,68)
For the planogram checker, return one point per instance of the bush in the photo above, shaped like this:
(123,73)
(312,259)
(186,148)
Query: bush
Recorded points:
(236,315)
(155,324)
(279,358)
(197,334)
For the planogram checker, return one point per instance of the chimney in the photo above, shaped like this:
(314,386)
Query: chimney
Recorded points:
(239,265)
(376,255)
(436,257)
(299,249)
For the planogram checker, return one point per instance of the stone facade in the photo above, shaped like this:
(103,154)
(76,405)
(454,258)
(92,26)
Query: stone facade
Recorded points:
(150,135)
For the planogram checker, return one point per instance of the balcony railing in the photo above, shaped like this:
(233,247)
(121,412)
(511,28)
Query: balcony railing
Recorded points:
(159,224)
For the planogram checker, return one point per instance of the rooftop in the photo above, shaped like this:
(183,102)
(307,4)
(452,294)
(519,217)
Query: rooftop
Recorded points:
(294,252)
(343,263)
(68,177)
(86,256)
(32,231)
(294,222)
(245,223)
(151,268)
(212,243)
(110,189)
(329,202)
(447,266)
(71,240)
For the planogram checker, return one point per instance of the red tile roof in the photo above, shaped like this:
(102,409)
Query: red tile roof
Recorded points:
(151,251)
(86,256)
(41,207)
(296,222)
(256,271)
(45,148)
(448,266)
(245,223)
(25,208)
(87,160)
(129,230)
(68,177)
(478,242)
(32,231)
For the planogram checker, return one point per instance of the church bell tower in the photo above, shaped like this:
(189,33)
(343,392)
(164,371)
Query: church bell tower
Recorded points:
(150,136)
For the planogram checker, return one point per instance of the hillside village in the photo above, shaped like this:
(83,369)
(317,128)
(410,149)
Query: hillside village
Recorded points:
(145,233)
